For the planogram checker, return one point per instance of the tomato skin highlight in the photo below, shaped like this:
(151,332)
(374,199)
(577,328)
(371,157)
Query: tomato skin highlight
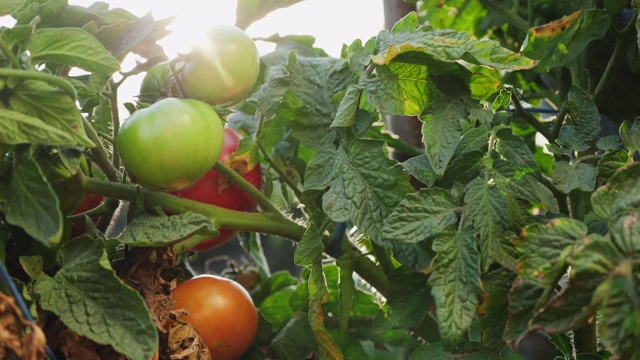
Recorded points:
(170,144)
(224,69)
(222,313)
(207,190)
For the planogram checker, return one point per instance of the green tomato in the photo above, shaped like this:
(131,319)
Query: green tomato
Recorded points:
(223,70)
(170,144)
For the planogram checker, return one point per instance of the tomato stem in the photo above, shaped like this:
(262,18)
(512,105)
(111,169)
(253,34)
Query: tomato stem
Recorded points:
(273,223)
(100,155)
(237,179)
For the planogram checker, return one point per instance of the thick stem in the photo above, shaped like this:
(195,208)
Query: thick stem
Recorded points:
(266,222)
(9,54)
(100,155)
(283,176)
(115,122)
(530,119)
(585,339)
(237,179)
(614,61)
(511,17)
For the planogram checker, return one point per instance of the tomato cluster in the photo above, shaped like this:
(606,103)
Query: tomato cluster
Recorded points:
(171,146)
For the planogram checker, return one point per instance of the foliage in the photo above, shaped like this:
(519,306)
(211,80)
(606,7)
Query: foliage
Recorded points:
(518,215)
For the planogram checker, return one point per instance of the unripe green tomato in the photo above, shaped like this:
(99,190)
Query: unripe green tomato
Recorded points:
(170,144)
(223,70)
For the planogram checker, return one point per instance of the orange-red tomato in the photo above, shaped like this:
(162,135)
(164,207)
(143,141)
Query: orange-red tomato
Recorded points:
(222,313)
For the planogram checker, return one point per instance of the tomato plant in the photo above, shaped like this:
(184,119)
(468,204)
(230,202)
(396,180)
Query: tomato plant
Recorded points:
(222,313)
(170,144)
(223,69)
(216,190)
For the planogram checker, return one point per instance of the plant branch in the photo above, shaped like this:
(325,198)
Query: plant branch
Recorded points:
(265,222)
(283,176)
(9,54)
(100,155)
(237,179)
(115,122)
(510,16)
(530,119)
(555,132)
(616,58)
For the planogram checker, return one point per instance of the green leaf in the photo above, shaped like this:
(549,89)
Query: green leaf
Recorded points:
(409,297)
(310,247)
(269,95)
(32,204)
(346,113)
(495,300)
(625,232)
(620,320)
(573,306)
(523,186)
(250,11)
(364,184)
(309,105)
(487,208)
(501,102)
(17,128)
(7,7)
(399,88)
(525,298)
(514,149)
(53,107)
(559,42)
(276,306)
(621,193)
(155,231)
(542,246)
(630,135)
(584,121)
(421,216)
(611,162)
(441,133)
(580,176)
(420,168)
(449,45)
(416,256)
(609,143)
(463,169)
(91,300)
(407,24)
(295,341)
(74,47)
(455,284)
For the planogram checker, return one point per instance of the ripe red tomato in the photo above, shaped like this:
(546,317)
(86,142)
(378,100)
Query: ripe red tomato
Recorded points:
(222,313)
(88,202)
(216,190)
(223,70)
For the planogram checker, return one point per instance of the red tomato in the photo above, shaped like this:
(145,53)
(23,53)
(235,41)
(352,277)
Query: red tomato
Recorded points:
(88,202)
(222,313)
(216,190)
